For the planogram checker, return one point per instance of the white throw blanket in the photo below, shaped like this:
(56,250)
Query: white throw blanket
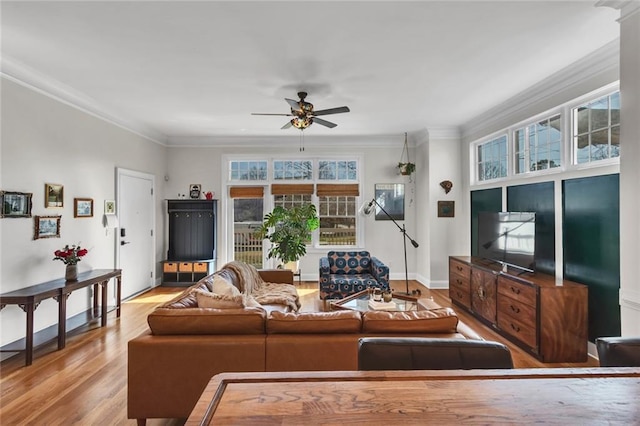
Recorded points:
(252,284)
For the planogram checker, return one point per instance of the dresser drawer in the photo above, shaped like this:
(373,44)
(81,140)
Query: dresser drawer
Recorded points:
(526,334)
(185,267)
(521,292)
(459,282)
(459,268)
(461,296)
(170,267)
(522,312)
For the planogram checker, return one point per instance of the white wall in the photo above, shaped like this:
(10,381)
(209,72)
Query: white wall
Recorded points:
(46,141)
(629,171)
(380,157)
(446,235)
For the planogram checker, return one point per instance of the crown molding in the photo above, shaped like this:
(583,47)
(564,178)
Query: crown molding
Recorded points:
(23,75)
(444,133)
(606,58)
(333,141)
(627,8)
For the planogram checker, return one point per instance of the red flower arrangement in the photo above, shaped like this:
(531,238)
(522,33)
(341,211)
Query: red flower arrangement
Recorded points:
(70,255)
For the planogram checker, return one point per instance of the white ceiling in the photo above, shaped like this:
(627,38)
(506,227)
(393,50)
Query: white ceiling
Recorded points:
(179,71)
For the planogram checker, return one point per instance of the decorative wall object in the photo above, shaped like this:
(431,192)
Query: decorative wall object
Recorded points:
(53,195)
(446,185)
(446,208)
(15,204)
(46,227)
(109,207)
(194,190)
(391,197)
(83,207)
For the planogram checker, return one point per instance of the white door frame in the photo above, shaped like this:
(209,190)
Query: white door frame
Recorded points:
(141,175)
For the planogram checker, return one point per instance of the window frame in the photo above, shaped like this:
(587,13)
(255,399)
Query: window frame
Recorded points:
(568,154)
(584,101)
(269,202)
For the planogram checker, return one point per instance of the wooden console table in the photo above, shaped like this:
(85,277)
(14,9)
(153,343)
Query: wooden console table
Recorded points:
(553,395)
(29,298)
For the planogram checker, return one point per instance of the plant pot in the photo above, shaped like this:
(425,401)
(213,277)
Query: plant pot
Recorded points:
(406,168)
(292,266)
(71,273)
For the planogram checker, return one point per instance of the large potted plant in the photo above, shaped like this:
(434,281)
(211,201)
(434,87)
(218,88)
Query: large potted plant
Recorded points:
(289,230)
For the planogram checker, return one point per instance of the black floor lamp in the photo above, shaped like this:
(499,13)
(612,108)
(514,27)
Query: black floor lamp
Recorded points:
(366,209)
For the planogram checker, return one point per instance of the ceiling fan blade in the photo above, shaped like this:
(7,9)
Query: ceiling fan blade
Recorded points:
(287,125)
(266,113)
(295,105)
(337,110)
(324,123)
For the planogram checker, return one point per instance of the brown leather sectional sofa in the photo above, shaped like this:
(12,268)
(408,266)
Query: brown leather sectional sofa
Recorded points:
(170,365)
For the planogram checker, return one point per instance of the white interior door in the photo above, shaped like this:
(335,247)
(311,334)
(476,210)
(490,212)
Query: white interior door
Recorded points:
(135,241)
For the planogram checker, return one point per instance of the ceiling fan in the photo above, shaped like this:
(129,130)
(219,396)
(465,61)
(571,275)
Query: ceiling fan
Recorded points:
(304,115)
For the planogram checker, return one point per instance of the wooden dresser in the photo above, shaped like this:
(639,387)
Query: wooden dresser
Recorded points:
(543,315)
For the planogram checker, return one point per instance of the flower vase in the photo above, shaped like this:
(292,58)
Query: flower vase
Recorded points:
(71,273)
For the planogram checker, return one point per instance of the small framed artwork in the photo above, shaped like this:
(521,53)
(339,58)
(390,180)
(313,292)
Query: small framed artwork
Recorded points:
(82,207)
(46,227)
(53,195)
(390,197)
(109,207)
(15,204)
(194,190)
(446,208)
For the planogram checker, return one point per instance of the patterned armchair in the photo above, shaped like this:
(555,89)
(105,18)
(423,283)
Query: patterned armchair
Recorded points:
(343,273)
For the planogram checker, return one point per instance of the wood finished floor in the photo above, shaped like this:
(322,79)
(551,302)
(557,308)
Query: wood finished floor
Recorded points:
(86,383)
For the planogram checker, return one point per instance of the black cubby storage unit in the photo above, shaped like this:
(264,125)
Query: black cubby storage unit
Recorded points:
(192,241)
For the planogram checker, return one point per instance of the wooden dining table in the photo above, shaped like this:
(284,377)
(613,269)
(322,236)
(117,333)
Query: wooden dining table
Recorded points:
(560,396)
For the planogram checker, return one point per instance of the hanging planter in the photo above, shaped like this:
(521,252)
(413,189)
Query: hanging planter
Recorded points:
(405,166)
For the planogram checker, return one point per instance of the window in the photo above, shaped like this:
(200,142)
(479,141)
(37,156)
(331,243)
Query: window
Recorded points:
(337,221)
(331,184)
(492,159)
(538,145)
(337,170)
(596,129)
(247,170)
(337,211)
(292,169)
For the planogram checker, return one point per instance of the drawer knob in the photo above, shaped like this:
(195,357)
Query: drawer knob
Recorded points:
(516,328)
(459,268)
(458,281)
(514,309)
(481,293)
(515,290)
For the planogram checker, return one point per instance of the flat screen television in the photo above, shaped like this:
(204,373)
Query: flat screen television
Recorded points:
(508,238)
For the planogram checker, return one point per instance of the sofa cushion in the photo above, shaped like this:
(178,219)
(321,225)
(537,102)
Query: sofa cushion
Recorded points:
(314,322)
(443,320)
(187,299)
(349,262)
(220,285)
(165,321)
(207,299)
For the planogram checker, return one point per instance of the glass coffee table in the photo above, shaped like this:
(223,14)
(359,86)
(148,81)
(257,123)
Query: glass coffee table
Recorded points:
(360,302)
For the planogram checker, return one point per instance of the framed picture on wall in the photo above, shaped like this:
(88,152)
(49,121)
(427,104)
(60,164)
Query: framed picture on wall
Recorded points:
(46,227)
(82,207)
(53,195)
(15,204)
(391,197)
(446,208)
(109,207)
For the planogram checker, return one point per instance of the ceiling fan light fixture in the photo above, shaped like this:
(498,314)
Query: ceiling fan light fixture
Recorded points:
(301,122)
